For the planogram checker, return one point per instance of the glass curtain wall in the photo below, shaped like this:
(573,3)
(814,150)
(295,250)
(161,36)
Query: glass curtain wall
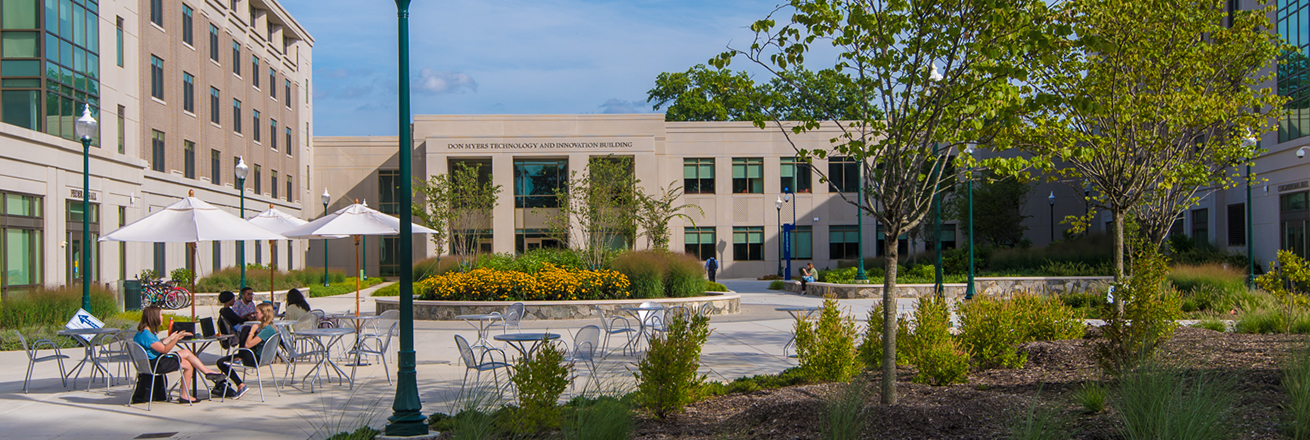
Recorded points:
(1294,68)
(49,64)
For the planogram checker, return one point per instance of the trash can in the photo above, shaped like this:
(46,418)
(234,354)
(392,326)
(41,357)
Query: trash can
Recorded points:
(132,295)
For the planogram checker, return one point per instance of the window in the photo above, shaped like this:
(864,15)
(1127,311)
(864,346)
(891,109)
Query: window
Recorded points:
(289,180)
(272,83)
(122,130)
(254,70)
(1201,225)
(189,159)
(289,147)
(236,58)
(1237,224)
(187,36)
(157,150)
(20,230)
(258,187)
(699,242)
(259,252)
(535,182)
(272,175)
(118,40)
(698,176)
(1294,26)
(254,128)
(902,245)
(216,167)
(188,92)
(287,83)
(389,192)
(156,77)
(216,249)
(160,260)
(236,115)
(748,243)
(802,243)
(122,247)
(748,175)
(531,239)
(796,174)
(843,242)
(157,12)
(843,175)
(213,43)
(213,106)
(272,133)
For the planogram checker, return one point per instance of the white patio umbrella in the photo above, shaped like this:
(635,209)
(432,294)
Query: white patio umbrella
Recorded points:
(355,220)
(279,222)
(190,221)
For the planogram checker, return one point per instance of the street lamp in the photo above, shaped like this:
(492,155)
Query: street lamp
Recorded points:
(1252,143)
(85,128)
(788,197)
(934,76)
(326,198)
(1051,198)
(969,290)
(242,171)
(777,206)
(406,419)
(860,276)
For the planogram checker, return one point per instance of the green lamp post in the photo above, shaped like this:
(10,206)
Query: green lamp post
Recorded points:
(242,171)
(860,276)
(936,77)
(1252,143)
(325,198)
(777,206)
(969,290)
(85,129)
(407,418)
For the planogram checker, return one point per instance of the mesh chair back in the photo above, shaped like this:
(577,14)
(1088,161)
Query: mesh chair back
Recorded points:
(465,352)
(514,314)
(139,358)
(308,321)
(586,342)
(678,312)
(31,354)
(385,320)
(269,352)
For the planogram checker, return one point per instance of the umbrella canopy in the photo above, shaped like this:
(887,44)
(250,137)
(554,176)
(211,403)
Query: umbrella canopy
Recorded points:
(190,220)
(279,222)
(355,219)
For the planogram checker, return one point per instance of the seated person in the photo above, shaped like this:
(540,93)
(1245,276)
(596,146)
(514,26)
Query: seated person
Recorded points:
(229,316)
(252,338)
(245,305)
(807,276)
(296,305)
(155,348)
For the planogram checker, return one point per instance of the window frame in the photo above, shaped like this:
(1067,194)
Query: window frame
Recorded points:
(700,247)
(156,77)
(539,200)
(157,12)
(697,183)
(840,169)
(236,115)
(802,171)
(188,159)
(188,92)
(215,166)
(747,250)
(157,148)
(747,184)
(188,36)
(213,44)
(236,58)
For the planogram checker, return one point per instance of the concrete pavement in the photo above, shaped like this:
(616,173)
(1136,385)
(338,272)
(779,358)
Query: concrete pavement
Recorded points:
(743,344)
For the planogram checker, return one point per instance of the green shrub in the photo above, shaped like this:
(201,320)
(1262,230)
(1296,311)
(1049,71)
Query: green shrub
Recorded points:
(777,285)
(53,306)
(532,261)
(844,412)
(645,271)
(684,275)
(870,350)
(711,286)
(602,418)
(1074,269)
(1296,379)
(1271,320)
(540,380)
(310,277)
(825,349)
(344,287)
(666,376)
(1092,396)
(257,278)
(1094,250)
(1187,278)
(937,355)
(746,384)
(1164,402)
(393,289)
(989,329)
(363,433)
(1148,317)
(433,266)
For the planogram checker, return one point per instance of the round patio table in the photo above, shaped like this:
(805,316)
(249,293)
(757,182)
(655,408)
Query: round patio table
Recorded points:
(197,346)
(483,325)
(86,337)
(643,324)
(360,321)
(797,313)
(325,338)
(520,341)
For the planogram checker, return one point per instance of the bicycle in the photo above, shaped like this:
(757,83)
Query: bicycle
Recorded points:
(164,294)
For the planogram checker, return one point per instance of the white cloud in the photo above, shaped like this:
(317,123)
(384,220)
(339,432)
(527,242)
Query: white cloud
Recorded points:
(434,82)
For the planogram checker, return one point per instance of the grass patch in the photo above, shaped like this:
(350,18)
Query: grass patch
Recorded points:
(843,411)
(53,306)
(393,289)
(1296,379)
(344,287)
(711,286)
(1092,397)
(1165,402)
(777,285)
(1213,324)
(1039,422)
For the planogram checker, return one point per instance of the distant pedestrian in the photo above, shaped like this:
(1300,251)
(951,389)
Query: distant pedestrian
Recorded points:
(711,266)
(807,276)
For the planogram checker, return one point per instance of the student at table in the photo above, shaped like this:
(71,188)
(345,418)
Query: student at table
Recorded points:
(245,305)
(229,316)
(296,305)
(156,348)
(252,338)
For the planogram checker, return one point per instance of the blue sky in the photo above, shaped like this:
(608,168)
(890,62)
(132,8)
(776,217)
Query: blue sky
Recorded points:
(509,56)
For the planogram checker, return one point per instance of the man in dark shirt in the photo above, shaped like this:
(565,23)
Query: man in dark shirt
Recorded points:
(230,317)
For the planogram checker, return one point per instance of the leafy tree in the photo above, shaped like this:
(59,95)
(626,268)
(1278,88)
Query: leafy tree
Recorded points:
(997,210)
(597,214)
(1147,100)
(718,94)
(458,206)
(907,118)
(655,212)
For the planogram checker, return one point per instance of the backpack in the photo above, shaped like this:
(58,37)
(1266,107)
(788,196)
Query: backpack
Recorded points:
(712,264)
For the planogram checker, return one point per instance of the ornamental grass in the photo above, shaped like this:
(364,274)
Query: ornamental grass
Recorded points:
(551,283)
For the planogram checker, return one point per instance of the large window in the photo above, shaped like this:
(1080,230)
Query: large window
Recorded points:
(802,243)
(236,58)
(272,83)
(530,239)
(189,159)
(796,175)
(156,77)
(213,43)
(699,242)
(1293,19)
(236,115)
(289,180)
(289,142)
(902,243)
(51,64)
(1294,218)
(272,133)
(216,167)
(1201,225)
(1237,224)
(748,243)
(187,36)
(698,176)
(188,92)
(22,256)
(254,128)
(118,41)
(287,96)
(272,175)
(214,110)
(157,12)
(389,192)
(254,70)
(843,174)
(747,175)
(259,188)
(843,242)
(157,150)
(536,180)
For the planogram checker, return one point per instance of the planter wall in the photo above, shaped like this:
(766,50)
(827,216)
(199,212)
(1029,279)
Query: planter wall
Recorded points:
(726,303)
(1000,287)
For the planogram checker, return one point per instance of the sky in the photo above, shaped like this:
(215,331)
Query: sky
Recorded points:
(509,56)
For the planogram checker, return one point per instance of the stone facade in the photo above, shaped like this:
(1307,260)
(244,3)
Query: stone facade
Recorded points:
(543,310)
(1001,287)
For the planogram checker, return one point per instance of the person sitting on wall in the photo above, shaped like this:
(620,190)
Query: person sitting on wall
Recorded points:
(807,276)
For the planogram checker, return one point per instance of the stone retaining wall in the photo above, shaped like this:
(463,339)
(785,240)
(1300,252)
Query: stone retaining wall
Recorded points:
(1000,287)
(726,303)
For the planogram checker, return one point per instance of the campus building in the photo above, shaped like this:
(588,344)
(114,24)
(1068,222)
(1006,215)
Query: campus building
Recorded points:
(180,89)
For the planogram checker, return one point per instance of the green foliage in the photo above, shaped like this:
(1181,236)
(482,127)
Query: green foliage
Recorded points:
(181,276)
(939,358)
(363,433)
(53,306)
(666,376)
(1165,402)
(1210,282)
(655,212)
(458,205)
(777,285)
(843,411)
(711,286)
(1039,422)
(393,289)
(748,384)
(1092,396)
(602,418)
(658,273)
(1286,284)
(433,266)
(989,329)
(706,94)
(540,381)
(1296,380)
(825,349)
(1213,324)
(997,210)
(230,279)
(1272,320)
(1091,253)
(344,287)
(685,276)
(531,261)
(870,350)
(1185,250)
(1147,318)
(1074,269)
(597,214)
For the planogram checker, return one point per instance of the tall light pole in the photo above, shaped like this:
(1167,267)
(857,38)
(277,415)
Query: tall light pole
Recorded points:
(407,418)
(969,290)
(777,206)
(242,171)
(936,77)
(326,198)
(860,276)
(1051,198)
(85,129)
(788,196)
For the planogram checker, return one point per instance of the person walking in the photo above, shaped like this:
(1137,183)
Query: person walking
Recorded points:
(711,266)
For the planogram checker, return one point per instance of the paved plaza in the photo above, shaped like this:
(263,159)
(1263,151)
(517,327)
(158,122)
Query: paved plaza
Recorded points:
(747,343)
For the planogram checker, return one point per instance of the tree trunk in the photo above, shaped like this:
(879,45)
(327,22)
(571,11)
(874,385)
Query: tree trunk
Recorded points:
(889,319)
(1118,254)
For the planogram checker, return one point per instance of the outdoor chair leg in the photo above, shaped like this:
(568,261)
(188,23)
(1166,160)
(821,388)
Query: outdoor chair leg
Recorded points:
(273,375)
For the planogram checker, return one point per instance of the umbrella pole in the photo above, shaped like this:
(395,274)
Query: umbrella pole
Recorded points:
(272,292)
(192,257)
(356,276)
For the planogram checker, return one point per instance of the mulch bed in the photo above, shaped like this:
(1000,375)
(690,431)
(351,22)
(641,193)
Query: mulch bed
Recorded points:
(986,406)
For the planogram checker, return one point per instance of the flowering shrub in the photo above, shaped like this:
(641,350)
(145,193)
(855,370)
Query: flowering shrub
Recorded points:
(551,283)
